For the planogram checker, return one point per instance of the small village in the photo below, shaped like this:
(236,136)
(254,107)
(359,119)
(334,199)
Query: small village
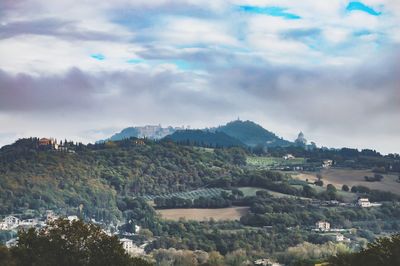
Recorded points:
(14,224)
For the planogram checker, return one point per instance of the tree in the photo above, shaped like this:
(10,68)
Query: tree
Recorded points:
(345,188)
(383,251)
(215,259)
(330,188)
(70,243)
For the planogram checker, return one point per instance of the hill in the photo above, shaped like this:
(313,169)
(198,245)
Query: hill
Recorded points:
(35,177)
(205,138)
(252,134)
(149,131)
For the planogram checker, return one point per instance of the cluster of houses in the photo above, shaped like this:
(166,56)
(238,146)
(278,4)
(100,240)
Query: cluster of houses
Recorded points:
(53,144)
(12,223)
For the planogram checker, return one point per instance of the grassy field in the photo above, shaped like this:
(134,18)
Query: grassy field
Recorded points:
(251,191)
(194,194)
(351,177)
(224,214)
(268,162)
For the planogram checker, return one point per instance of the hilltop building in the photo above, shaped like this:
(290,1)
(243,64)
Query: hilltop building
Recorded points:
(301,141)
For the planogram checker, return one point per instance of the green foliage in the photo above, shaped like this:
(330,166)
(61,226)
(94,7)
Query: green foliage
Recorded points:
(383,251)
(204,138)
(252,134)
(69,243)
(97,174)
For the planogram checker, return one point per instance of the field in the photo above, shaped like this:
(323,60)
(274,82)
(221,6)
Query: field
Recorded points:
(251,191)
(268,162)
(194,194)
(224,214)
(351,177)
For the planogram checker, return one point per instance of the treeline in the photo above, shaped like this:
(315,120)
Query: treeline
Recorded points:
(226,199)
(345,157)
(374,194)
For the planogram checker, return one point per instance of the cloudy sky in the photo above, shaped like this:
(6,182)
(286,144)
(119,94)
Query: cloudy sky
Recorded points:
(84,69)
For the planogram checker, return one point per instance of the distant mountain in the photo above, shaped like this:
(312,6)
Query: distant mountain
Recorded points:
(149,131)
(236,133)
(252,134)
(204,138)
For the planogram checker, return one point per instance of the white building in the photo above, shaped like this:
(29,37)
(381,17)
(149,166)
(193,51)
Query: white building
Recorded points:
(10,222)
(51,216)
(12,242)
(327,163)
(266,262)
(130,247)
(29,223)
(322,226)
(339,238)
(72,218)
(288,157)
(364,203)
(127,244)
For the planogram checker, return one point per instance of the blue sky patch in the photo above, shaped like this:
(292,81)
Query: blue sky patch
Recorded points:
(135,61)
(358,6)
(362,33)
(99,57)
(274,11)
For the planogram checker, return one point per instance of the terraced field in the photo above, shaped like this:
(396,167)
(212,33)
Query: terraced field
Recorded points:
(194,194)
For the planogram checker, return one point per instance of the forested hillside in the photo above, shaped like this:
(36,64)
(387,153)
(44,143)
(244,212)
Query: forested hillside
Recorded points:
(252,134)
(205,139)
(95,175)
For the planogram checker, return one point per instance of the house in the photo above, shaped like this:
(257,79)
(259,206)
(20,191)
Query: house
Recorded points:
(322,226)
(364,203)
(139,142)
(327,163)
(127,244)
(266,262)
(72,218)
(288,157)
(339,238)
(50,216)
(137,229)
(28,223)
(45,142)
(131,248)
(12,242)
(11,222)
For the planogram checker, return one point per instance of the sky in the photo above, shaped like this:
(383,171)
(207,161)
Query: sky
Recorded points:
(86,69)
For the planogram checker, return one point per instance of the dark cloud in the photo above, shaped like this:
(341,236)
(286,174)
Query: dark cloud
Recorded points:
(53,27)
